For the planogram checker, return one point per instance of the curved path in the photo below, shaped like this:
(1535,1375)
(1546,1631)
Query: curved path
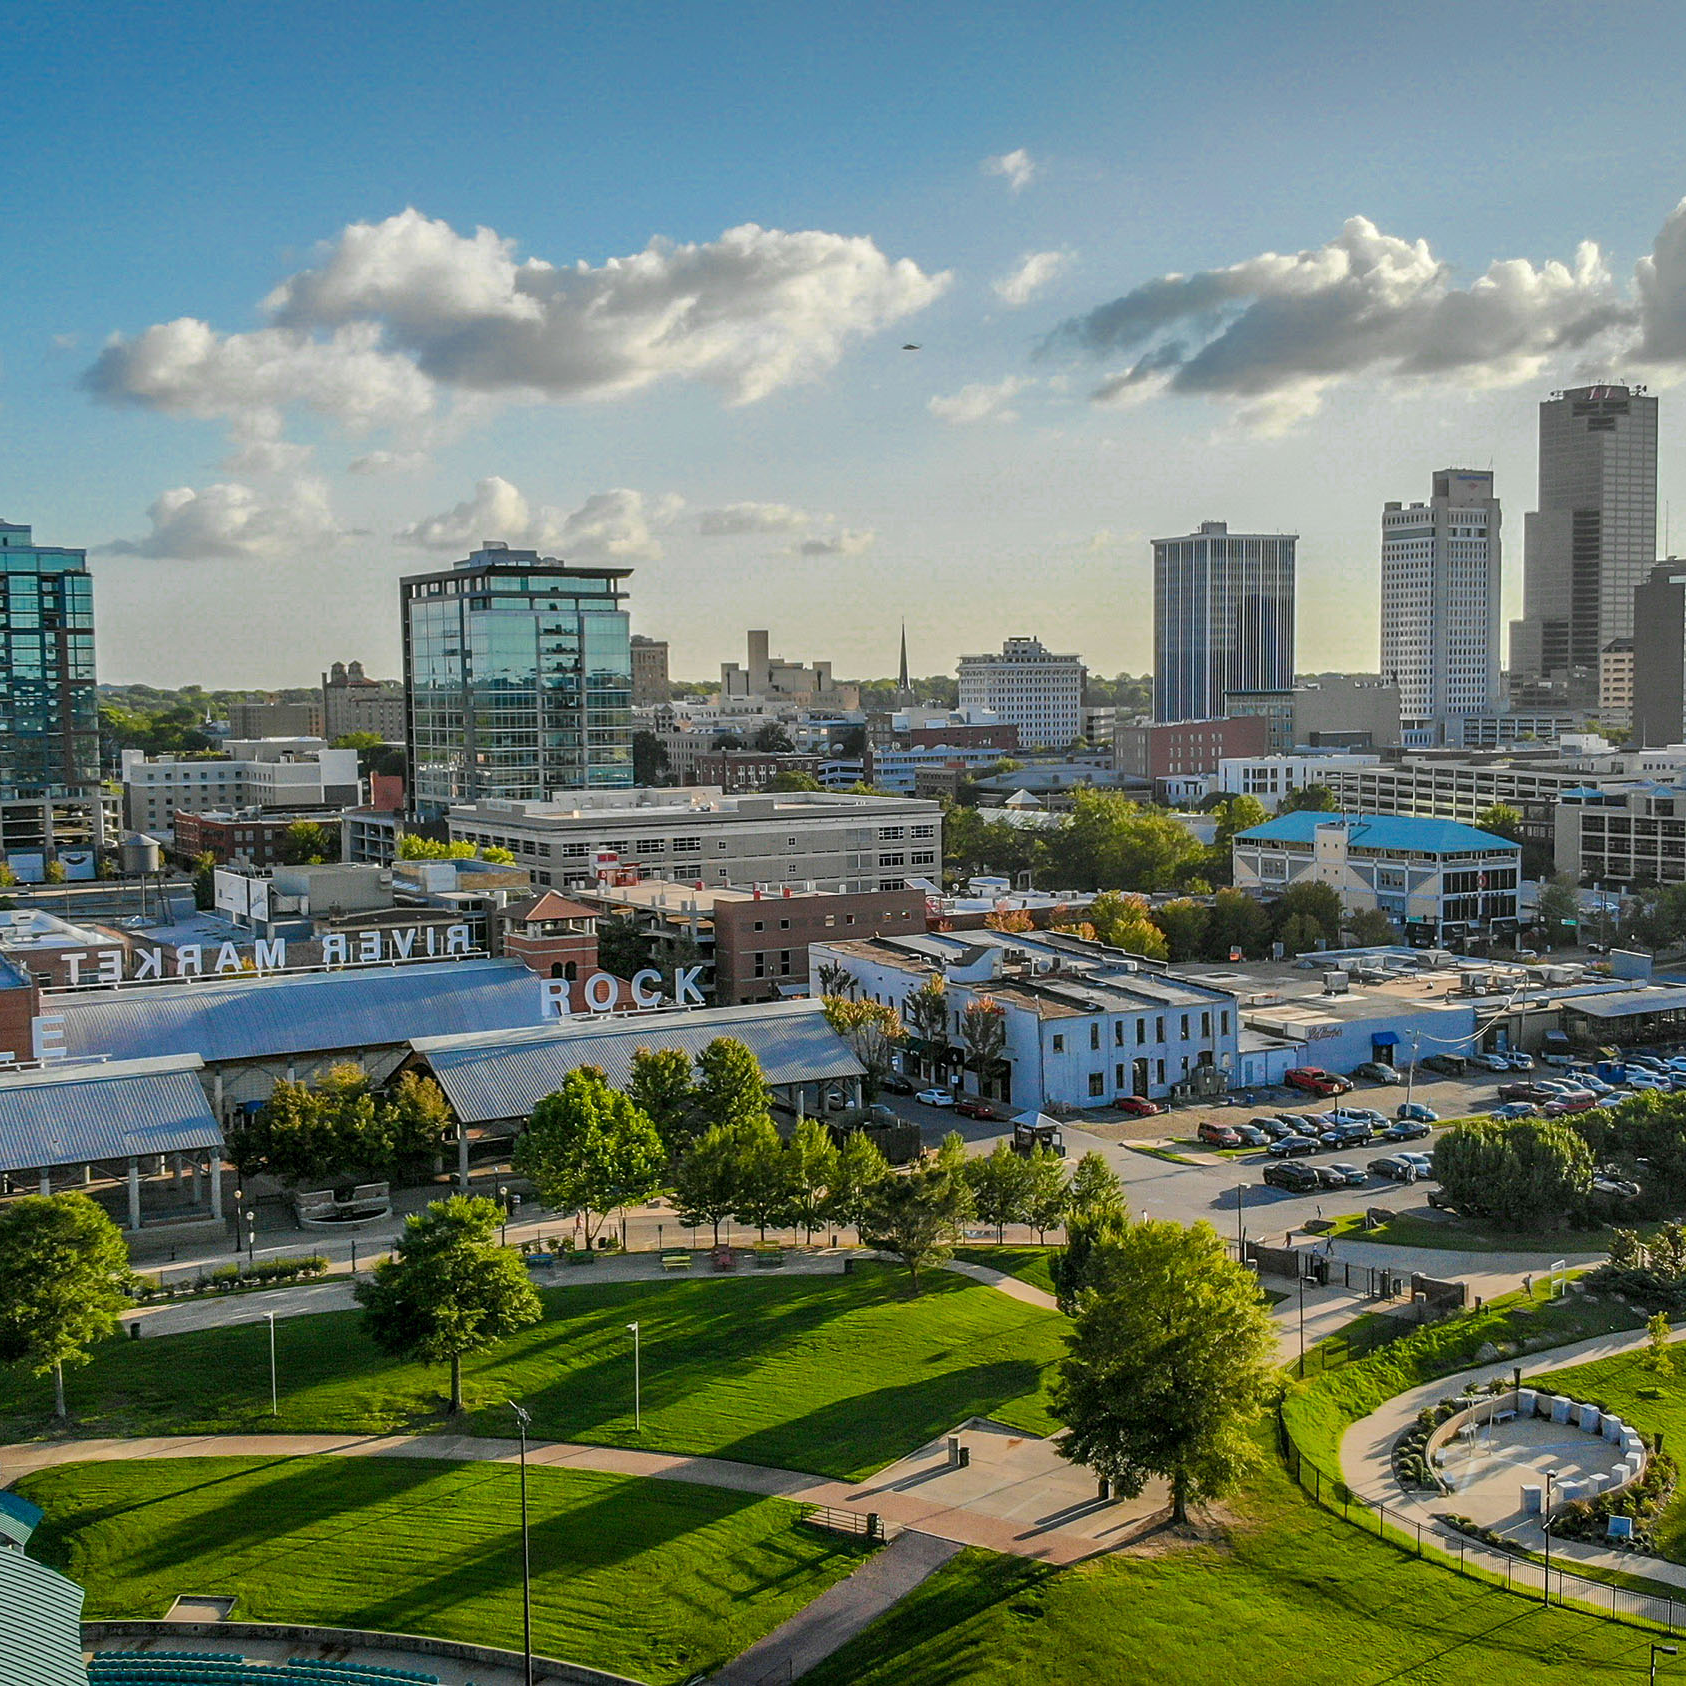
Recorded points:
(1367,1449)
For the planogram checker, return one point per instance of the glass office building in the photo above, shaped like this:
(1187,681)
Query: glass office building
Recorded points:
(50,805)
(518,670)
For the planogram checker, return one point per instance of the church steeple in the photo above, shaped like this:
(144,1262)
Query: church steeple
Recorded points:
(902,684)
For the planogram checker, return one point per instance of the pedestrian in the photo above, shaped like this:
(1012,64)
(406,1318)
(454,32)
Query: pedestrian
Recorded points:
(1328,1246)
(1320,1209)
(1528,1286)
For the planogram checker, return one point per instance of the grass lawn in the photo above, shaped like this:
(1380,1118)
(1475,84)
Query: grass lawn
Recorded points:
(649,1578)
(1629,1387)
(1320,1409)
(1295,1598)
(1466,1235)
(1029,1264)
(837,1375)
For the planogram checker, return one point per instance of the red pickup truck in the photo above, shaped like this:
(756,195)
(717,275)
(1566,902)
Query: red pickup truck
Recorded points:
(1315,1081)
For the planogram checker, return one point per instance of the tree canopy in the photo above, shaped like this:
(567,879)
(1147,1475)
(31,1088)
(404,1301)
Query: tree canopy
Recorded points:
(1525,1174)
(917,1214)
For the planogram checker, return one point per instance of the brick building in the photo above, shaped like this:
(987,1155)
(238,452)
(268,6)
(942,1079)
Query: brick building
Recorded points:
(1166,749)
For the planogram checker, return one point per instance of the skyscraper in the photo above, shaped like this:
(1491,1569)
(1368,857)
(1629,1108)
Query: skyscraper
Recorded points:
(1223,619)
(1440,602)
(1028,686)
(1593,539)
(1658,692)
(519,673)
(50,805)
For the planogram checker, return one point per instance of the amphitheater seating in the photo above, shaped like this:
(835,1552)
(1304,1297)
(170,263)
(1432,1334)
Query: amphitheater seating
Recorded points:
(224,1668)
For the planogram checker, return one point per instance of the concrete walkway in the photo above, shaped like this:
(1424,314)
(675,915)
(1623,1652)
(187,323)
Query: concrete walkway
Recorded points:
(840,1612)
(1367,1458)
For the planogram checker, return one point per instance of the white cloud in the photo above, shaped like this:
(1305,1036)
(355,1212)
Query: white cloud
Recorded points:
(846,541)
(751,518)
(1029,276)
(1276,330)
(229,519)
(609,526)
(981,401)
(260,449)
(398,310)
(388,462)
(1017,168)
(1660,281)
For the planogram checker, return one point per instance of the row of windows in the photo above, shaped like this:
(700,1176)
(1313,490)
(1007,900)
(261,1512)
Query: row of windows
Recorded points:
(1184,1020)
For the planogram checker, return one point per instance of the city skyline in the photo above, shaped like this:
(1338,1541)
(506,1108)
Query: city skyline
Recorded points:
(378,353)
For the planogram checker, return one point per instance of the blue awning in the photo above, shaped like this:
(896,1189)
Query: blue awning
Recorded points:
(1384,1039)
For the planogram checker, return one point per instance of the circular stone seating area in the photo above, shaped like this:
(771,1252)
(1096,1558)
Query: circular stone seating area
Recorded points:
(224,1668)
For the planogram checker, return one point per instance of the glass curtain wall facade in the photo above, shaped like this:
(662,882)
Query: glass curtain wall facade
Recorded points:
(519,678)
(1223,619)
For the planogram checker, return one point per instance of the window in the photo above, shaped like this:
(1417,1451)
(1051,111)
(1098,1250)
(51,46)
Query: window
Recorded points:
(784,924)
(1094,1036)
(784,962)
(892,833)
(1121,1076)
(759,925)
(891,860)
(1059,1044)
(923,857)
(687,845)
(1118,1033)
(1160,1067)
(1223,1023)
(1097,1082)
(923,831)
(1205,1024)
(1184,1032)
(1141,1032)
(1159,1032)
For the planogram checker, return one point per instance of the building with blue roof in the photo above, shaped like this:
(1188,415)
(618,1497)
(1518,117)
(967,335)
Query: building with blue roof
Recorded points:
(1441,882)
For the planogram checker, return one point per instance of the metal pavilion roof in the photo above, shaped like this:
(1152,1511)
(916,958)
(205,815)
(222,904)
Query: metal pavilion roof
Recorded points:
(79,1112)
(250,1018)
(503,1075)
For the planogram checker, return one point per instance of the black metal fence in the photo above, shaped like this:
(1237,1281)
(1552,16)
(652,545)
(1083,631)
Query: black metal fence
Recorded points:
(1524,1575)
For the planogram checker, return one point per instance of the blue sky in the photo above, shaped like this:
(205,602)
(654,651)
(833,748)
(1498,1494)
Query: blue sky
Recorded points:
(736,418)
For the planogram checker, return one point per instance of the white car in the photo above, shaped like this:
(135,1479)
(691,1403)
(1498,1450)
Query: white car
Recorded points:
(1490,1062)
(1520,1061)
(934,1097)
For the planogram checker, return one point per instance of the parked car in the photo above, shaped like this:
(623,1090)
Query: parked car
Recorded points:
(893,1083)
(1359,1115)
(1394,1169)
(1508,1111)
(1348,1135)
(1293,1147)
(1252,1136)
(1292,1120)
(1315,1081)
(1296,1179)
(1341,1174)
(1414,1112)
(1378,1071)
(973,1106)
(1406,1130)
(1489,1062)
(1611,1183)
(1520,1061)
(1272,1127)
(1139,1106)
(1527,1091)
(1450,1065)
(1569,1104)
(934,1097)
(1641,1078)
(1214,1134)
(1423,1162)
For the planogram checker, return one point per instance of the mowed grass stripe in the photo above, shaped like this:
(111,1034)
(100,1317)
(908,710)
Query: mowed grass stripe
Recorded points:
(648,1578)
(836,1375)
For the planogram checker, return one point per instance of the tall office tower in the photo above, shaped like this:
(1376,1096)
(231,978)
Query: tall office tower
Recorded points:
(1440,603)
(50,805)
(1030,687)
(519,674)
(1658,695)
(1593,539)
(649,671)
(1223,619)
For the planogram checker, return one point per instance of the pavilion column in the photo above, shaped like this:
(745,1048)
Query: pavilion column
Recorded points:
(46,1180)
(193,1178)
(134,1194)
(462,1158)
(214,1170)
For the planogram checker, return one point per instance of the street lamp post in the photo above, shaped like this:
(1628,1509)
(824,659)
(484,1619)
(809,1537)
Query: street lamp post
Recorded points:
(1240,1234)
(503,1201)
(252,1234)
(1302,1320)
(522,1421)
(1661,1651)
(1545,1523)
(239,1221)
(637,1381)
(274,1397)
(1411,1074)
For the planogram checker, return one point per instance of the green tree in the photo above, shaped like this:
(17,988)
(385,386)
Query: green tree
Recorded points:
(1658,1358)
(1309,798)
(1236,813)
(448,1290)
(765,1187)
(791,779)
(731,1089)
(925,1011)
(917,1215)
(983,1034)
(416,1116)
(1184,924)
(204,881)
(412,846)
(1172,1364)
(1095,1187)
(1560,911)
(1123,921)
(1299,934)
(650,764)
(705,1179)
(1109,842)
(772,739)
(1502,821)
(861,1166)
(64,1278)
(661,1087)
(1522,1175)
(811,1174)
(1000,1185)
(621,947)
(1088,1235)
(1047,1192)
(873,1031)
(589,1149)
(1236,921)
(1317,903)
(1369,927)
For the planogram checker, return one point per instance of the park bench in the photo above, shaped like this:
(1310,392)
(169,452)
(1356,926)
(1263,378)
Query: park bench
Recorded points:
(580,1256)
(769,1258)
(676,1261)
